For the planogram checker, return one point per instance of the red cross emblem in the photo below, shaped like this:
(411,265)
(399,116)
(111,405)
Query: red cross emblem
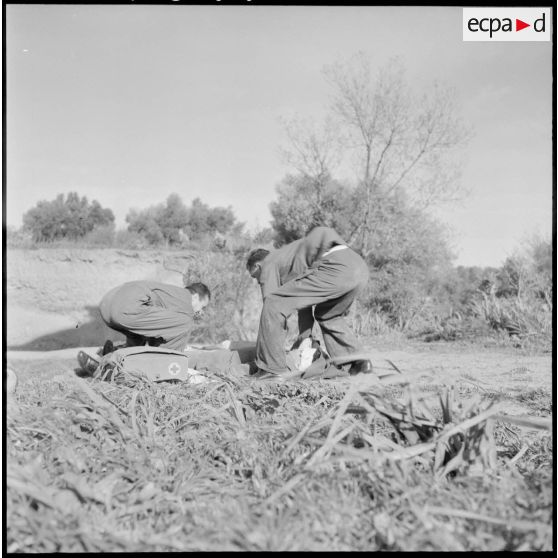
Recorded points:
(174,368)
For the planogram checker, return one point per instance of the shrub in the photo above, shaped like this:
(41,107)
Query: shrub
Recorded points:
(100,237)
(527,321)
(129,240)
(175,224)
(18,238)
(65,218)
(519,301)
(235,297)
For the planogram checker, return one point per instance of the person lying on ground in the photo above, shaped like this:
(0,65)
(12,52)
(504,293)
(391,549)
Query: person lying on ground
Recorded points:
(318,271)
(153,313)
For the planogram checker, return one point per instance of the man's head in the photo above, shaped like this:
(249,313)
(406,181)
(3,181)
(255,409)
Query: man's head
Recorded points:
(254,262)
(200,296)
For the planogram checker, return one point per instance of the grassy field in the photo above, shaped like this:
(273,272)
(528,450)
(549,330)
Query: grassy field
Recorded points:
(382,463)
(424,460)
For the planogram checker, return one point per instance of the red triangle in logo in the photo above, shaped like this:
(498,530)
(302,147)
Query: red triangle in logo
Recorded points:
(519,25)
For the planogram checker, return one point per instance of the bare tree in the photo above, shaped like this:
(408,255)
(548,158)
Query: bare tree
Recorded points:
(403,145)
(399,145)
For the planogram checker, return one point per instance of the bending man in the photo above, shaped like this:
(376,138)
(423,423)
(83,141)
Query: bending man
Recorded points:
(319,270)
(153,313)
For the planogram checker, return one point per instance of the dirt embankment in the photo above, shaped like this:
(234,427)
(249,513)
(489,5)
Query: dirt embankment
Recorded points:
(52,294)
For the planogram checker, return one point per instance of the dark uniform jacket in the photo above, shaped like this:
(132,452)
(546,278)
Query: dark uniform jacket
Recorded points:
(294,259)
(150,309)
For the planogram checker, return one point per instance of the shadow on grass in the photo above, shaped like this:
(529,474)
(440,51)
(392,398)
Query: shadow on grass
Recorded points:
(92,332)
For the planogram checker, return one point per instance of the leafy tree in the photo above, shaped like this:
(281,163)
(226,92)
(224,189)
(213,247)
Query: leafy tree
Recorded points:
(101,217)
(408,256)
(147,223)
(402,234)
(172,219)
(71,217)
(303,203)
(173,222)
(203,220)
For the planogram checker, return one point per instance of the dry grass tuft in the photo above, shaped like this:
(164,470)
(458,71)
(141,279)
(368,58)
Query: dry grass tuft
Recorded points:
(233,464)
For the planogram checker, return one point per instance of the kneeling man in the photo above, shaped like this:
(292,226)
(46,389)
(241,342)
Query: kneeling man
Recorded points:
(153,313)
(319,270)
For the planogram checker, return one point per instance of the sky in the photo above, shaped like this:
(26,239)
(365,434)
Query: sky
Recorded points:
(127,104)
